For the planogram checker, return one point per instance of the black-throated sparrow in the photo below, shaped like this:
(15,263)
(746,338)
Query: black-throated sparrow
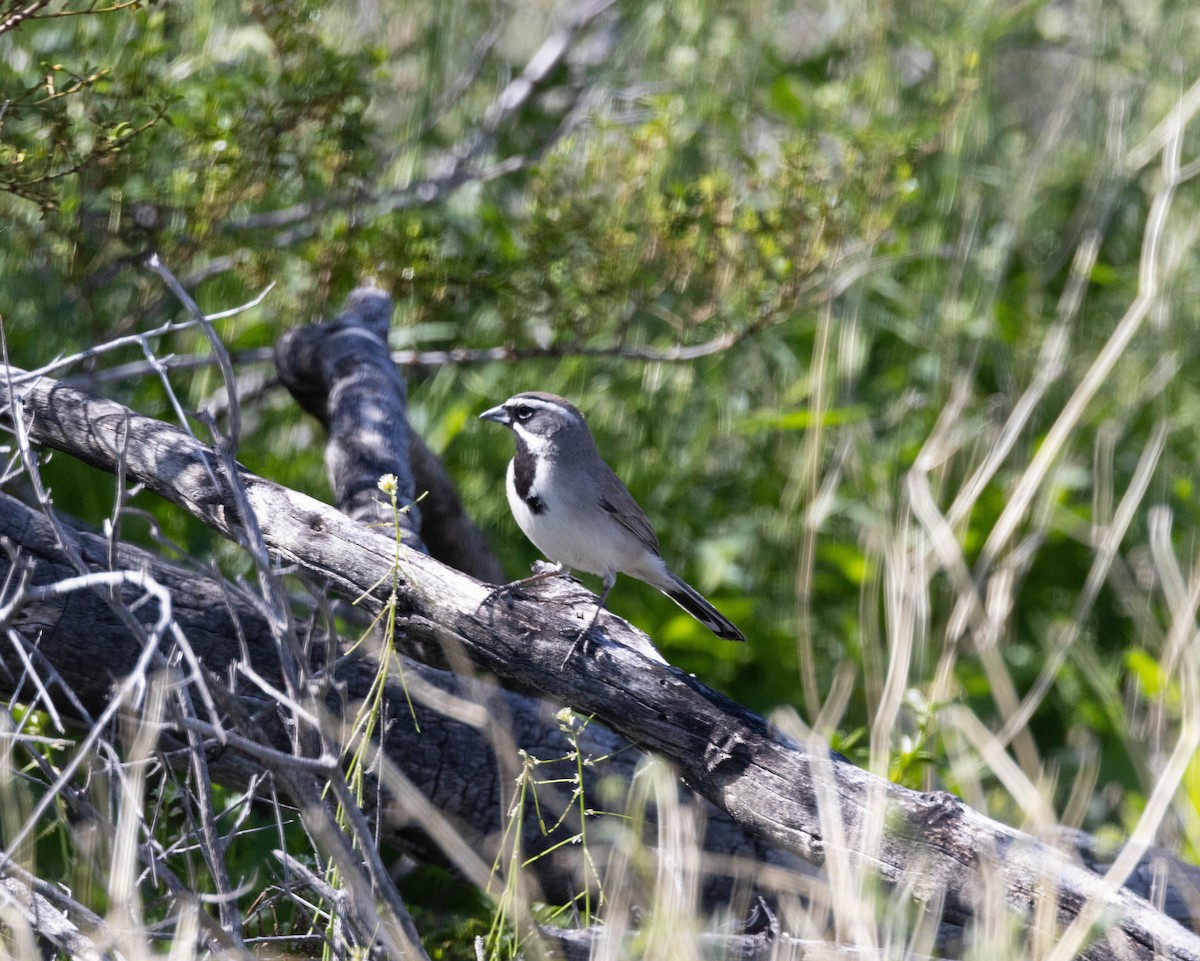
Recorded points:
(568,501)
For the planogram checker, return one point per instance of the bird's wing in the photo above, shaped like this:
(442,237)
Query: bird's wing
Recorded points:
(621,505)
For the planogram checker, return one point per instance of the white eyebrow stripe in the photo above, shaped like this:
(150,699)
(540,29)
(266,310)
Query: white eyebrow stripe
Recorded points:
(540,404)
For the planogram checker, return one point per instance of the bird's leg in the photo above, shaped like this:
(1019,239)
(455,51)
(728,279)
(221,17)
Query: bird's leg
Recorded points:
(503,589)
(609,581)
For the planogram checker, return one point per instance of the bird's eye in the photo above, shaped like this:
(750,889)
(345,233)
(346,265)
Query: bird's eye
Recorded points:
(524,412)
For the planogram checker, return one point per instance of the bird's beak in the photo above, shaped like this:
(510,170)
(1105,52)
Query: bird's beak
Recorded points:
(498,414)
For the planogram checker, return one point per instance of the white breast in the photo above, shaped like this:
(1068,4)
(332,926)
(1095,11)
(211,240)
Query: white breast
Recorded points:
(574,530)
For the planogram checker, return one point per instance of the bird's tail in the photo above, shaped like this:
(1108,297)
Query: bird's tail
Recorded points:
(692,601)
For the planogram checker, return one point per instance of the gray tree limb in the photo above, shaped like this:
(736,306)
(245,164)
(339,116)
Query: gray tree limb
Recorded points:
(451,761)
(342,374)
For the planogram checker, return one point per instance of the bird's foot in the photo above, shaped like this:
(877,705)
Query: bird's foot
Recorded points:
(580,643)
(499,591)
(543,571)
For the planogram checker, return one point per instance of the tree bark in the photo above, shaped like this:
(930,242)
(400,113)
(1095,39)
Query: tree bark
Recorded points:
(451,762)
(342,373)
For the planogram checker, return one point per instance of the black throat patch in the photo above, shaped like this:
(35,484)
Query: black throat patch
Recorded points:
(524,467)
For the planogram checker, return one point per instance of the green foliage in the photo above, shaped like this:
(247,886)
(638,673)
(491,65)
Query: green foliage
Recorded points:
(903,231)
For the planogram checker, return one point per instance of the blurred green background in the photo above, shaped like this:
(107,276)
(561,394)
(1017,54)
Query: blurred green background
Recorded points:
(899,237)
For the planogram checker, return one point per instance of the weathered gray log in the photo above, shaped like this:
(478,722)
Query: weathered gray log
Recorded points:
(341,373)
(451,763)
(769,944)
(930,845)
(60,937)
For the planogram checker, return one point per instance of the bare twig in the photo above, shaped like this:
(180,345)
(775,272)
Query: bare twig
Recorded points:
(399,934)
(129,689)
(143,338)
(465,166)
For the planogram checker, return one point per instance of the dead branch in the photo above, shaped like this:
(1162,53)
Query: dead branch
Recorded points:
(450,764)
(466,161)
(341,373)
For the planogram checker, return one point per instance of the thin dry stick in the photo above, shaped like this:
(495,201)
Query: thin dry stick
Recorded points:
(141,339)
(466,166)
(1060,432)
(1106,553)
(220,354)
(1079,932)
(277,612)
(809,469)
(42,701)
(129,689)
(50,677)
(384,888)
(212,844)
